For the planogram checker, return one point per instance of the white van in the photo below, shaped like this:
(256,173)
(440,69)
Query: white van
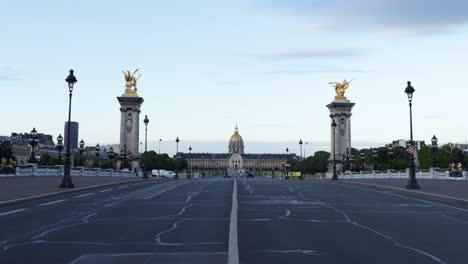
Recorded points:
(163,174)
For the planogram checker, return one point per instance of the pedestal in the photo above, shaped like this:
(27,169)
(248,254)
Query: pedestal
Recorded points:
(130,122)
(340,110)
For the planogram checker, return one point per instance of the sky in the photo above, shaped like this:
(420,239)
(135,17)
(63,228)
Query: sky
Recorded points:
(264,64)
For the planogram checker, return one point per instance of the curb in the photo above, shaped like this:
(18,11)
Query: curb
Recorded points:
(46,195)
(411,191)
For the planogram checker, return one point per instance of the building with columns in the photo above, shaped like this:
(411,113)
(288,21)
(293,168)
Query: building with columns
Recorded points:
(235,159)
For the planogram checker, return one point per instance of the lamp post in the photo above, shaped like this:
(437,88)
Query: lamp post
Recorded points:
(333,125)
(60,146)
(159,158)
(347,160)
(67,181)
(287,164)
(98,149)
(81,149)
(33,142)
(110,154)
(434,148)
(300,145)
(123,156)
(412,183)
(190,162)
(177,158)
(146,121)
(390,154)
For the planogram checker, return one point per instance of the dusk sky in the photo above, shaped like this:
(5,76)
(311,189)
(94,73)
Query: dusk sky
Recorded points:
(264,64)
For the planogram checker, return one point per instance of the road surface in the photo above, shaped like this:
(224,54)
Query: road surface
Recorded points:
(235,221)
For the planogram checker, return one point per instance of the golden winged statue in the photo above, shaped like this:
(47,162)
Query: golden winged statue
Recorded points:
(131,81)
(340,89)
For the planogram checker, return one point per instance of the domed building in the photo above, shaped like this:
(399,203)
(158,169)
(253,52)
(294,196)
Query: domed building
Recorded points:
(236,160)
(236,143)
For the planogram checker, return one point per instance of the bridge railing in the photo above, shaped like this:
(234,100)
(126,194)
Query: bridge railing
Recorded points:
(432,173)
(34,170)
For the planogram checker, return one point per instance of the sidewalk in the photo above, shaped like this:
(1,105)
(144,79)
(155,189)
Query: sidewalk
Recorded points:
(22,187)
(447,188)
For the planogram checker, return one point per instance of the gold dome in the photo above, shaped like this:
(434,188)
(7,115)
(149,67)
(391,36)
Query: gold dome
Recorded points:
(236,143)
(236,137)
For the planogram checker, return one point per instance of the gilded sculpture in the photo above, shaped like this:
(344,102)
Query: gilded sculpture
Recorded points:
(131,82)
(340,89)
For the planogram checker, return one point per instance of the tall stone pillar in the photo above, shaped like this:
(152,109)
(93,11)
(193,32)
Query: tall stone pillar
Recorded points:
(340,110)
(130,122)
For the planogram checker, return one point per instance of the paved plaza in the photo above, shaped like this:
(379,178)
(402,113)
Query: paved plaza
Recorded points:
(237,220)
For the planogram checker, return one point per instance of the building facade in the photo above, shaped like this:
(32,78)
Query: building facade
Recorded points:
(235,159)
(22,149)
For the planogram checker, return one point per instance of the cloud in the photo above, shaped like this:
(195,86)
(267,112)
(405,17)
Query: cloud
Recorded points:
(8,73)
(307,72)
(310,54)
(7,78)
(394,16)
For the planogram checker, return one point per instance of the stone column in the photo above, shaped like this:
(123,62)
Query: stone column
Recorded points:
(130,122)
(340,110)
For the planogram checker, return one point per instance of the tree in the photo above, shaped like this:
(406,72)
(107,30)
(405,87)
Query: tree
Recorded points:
(425,157)
(48,160)
(320,161)
(6,150)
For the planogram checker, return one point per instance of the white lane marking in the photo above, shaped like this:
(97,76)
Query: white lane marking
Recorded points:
(165,190)
(407,197)
(12,212)
(106,190)
(53,202)
(83,195)
(233,253)
(120,187)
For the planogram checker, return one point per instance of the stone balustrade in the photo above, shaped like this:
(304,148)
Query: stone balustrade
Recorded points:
(432,173)
(34,170)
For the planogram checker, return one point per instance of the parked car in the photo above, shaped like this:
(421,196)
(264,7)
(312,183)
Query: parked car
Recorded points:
(163,174)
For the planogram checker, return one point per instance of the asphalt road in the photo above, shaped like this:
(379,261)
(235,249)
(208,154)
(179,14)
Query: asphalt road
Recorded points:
(235,221)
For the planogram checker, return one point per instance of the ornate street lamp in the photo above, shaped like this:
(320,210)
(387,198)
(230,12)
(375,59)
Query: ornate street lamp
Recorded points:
(81,149)
(390,154)
(111,153)
(67,181)
(434,148)
(333,125)
(300,145)
(60,146)
(348,167)
(190,162)
(123,157)
(33,142)
(98,150)
(146,121)
(412,183)
(177,158)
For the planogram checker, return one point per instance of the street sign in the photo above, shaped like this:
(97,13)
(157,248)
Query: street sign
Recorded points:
(411,150)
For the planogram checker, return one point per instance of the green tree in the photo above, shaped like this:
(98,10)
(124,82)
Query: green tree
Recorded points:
(424,157)
(6,150)
(320,161)
(48,160)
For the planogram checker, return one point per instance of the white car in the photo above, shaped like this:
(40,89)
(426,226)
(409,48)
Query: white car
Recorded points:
(163,174)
